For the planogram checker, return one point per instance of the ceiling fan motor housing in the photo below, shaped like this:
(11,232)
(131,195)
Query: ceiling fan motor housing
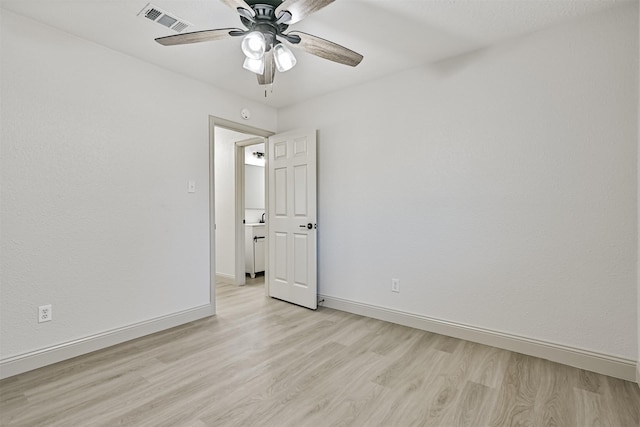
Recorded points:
(265,21)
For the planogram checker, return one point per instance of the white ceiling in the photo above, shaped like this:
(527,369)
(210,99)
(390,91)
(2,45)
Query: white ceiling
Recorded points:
(391,34)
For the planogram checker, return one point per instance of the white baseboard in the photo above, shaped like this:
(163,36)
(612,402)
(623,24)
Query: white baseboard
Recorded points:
(579,358)
(47,356)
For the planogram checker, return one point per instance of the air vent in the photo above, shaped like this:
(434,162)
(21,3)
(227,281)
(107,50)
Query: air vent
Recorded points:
(179,26)
(155,14)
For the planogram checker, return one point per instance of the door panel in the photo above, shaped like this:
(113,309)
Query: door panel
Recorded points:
(280,192)
(280,257)
(301,204)
(300,267)
(292,208)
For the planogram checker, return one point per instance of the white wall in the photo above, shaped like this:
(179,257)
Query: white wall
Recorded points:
(250,159)
(253,216)
(97,149)
(499,187)
(254,182)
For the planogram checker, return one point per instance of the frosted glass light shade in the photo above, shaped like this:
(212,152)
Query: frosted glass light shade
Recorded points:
(254,65)
(254,45)
(284,58)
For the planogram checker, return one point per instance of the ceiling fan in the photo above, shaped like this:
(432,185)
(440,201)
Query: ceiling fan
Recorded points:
(266,22)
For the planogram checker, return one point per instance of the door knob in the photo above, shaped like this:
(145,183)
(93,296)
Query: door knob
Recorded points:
(309,226)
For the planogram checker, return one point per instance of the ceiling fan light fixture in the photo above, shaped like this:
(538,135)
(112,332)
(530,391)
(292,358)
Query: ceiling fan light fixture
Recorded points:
(254,45)
(284,58)
(266,23)
(254,65)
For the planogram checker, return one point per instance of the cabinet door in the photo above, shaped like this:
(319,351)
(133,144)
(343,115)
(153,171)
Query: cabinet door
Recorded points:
(249,266)
(259,254)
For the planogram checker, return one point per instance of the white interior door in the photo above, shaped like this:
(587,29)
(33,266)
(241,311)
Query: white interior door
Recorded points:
(292,218)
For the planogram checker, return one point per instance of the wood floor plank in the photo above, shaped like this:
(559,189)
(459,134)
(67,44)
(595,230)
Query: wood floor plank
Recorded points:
(515,405)
(460,366)
(310,401)
(624,399)
(416,399)
(489,366)
(448,344)
(592,410)
(554,405)
(263,362)
(590,381)
(257,399)
(474,406)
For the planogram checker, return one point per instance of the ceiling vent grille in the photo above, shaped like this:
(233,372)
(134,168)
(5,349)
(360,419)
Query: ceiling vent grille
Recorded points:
(155,14)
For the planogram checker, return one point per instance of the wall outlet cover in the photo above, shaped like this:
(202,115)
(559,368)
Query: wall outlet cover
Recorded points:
(45,313)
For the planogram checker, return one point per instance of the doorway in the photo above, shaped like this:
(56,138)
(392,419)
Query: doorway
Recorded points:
(227,210)
(290,207)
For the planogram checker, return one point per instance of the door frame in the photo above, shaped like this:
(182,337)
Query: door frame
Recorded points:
(237,127)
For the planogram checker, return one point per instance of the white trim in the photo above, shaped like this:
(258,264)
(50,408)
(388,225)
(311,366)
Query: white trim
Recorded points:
(238,191)
(212,215)
(57,353)
(267,271)
(601,363)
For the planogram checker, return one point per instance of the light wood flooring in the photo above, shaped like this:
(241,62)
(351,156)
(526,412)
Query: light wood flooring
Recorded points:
(263,362)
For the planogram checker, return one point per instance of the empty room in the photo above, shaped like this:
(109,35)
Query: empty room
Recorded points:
(319,213)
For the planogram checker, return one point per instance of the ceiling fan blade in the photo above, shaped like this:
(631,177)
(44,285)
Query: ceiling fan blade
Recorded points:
(299,9)
(239,4)
(198,36)
(326,49)
(266,78)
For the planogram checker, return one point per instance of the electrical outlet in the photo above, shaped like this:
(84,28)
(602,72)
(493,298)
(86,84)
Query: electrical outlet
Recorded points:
(395,285)
(45,313)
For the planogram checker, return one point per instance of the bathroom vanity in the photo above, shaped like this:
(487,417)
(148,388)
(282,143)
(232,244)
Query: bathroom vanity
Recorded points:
(254,248)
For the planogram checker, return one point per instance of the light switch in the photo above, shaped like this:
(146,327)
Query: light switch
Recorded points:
(191,187)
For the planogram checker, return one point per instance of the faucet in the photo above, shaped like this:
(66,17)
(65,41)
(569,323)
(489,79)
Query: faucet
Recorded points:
(262,219)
